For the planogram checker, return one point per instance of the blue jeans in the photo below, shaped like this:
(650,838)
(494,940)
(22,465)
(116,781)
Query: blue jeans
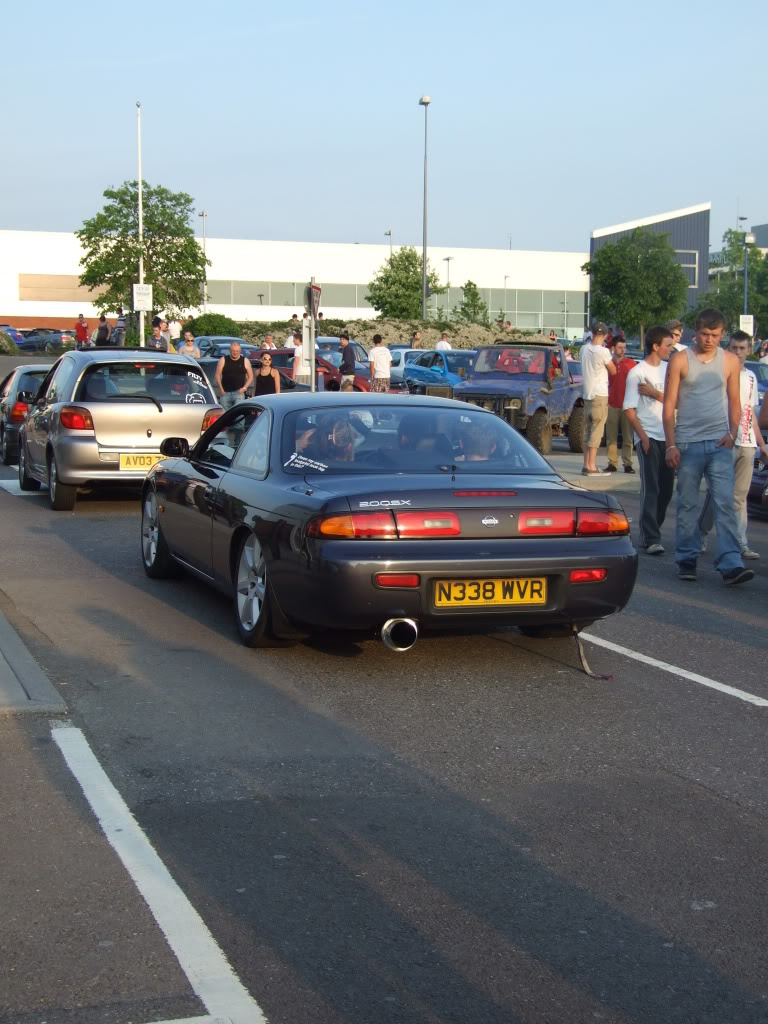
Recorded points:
(230,399)
(704,459)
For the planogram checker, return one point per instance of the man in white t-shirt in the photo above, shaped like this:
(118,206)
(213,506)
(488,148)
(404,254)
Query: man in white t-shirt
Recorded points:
(596,364)
(444,344)
(748,440)
(381,361)
(300,373)
(643,406)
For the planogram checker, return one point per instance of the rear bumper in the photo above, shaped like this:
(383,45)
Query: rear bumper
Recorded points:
(81,461)
(338,589)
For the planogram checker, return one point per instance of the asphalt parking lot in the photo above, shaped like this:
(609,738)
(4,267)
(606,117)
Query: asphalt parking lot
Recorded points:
(476,831)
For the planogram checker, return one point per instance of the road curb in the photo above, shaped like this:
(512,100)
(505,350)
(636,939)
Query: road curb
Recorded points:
(24,687)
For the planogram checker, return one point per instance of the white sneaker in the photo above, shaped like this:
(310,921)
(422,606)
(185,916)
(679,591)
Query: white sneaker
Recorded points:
(655,549)
(749,553)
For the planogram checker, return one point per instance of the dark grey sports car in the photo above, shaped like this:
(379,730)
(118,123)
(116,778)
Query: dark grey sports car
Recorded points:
(381,514)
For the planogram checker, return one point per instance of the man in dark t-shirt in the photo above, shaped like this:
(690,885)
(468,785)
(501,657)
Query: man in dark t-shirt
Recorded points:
(347,359)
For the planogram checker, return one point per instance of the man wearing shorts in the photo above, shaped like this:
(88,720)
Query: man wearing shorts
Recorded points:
(596,365)
(381,361)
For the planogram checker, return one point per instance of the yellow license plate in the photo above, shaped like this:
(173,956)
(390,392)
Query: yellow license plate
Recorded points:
(493,593)
(139,461)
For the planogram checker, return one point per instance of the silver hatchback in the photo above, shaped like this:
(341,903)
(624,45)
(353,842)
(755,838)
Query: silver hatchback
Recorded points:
(100,416)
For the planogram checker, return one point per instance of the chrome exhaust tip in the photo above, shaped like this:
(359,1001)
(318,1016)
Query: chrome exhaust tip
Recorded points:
(399,634)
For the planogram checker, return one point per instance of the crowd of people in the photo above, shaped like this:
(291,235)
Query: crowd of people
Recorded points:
(693,412)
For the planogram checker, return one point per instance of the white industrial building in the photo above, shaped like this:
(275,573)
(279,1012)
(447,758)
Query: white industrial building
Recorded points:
(265,280)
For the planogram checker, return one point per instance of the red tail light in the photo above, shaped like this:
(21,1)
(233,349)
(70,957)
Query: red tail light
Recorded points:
(588,575)
(553,522)
(398,579)
(373,525)
(427,524)
(601,522)
(19,412)
(210,417)
(74,418)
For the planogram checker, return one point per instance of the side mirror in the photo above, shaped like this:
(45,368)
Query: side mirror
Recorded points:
(175,447)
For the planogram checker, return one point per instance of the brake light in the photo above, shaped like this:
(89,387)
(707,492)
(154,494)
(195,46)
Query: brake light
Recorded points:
(398,579)
(484,494)
(592,523)
(74,418)
(378,525)
(19,412)
(554,522)
(210,417)
(427,524)
(588,575)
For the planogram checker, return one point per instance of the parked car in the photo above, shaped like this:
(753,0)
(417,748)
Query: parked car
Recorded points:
(363,373)
(46,339)
(208,343)
(757,496)
(17,393)
(400,357)
(760,370)
(528,385)
(100,414)
(362,359)
(209,362)
(318,512)
(328,375)
(437,370)
(12,333)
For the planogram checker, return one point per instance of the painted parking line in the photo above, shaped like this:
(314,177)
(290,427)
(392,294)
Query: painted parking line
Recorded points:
(12,487)
(214,982)
(675,670)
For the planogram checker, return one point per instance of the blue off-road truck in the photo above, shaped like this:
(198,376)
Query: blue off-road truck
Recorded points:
(531,386)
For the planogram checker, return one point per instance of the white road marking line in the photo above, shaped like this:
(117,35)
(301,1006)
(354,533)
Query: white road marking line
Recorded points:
(209,973)
(12,486)
(694,677)
(196,1020)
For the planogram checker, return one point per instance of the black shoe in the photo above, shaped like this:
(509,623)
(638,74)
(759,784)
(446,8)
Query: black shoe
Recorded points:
(629,469)
(687,571)
(610,468)
(734,576)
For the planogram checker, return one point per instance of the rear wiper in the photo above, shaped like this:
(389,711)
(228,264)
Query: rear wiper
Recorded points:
(132,398)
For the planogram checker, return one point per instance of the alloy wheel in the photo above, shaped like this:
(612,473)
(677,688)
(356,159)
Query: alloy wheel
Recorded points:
(251,583)
(149,529)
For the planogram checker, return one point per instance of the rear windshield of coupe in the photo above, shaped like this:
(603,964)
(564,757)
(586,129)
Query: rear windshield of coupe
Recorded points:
(403,439)
(30,381)
(175,383)
(526,360)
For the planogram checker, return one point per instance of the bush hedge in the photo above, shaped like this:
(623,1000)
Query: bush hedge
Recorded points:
(7,345)
(213,323)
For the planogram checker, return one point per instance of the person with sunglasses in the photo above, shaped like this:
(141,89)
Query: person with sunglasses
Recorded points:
(267,381)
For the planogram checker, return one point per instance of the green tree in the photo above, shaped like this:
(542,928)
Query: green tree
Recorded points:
(395,291)
(726,284)
(174,263)
(636,281)
(471,309)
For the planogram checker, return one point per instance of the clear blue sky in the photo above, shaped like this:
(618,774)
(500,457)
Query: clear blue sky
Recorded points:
(288,121)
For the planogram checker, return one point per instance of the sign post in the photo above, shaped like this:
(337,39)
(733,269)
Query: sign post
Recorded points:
(311,306)
(747,324)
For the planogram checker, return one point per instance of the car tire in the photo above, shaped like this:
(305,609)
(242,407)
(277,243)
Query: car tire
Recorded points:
(554,632)
(5,455)
(539,432)
(155,555)
(62,497)
(252,600)
(26,483)
(576,425)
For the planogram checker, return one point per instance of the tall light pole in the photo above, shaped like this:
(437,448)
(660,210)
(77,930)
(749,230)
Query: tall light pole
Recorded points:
(388,234)
(749,239)
(447,261)
(141,221)
(506,278)
(424,102)
(204,215)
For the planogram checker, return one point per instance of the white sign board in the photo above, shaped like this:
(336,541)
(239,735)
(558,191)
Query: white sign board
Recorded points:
(142,297)
(316,292)
(747,324)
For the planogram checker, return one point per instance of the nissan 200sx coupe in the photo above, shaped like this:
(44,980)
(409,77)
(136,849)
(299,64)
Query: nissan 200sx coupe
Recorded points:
(382,515)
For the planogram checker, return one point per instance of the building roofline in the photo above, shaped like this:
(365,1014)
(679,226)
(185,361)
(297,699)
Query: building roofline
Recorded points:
(657,218)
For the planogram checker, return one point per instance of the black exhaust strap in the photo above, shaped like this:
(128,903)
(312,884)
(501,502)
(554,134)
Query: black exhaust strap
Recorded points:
(583,658)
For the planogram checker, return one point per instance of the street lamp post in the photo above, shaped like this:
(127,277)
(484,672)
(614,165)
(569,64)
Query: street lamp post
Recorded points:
(424,102)
(749,239)
(141,220)
(204,215)
(388,234)
(506,278)
(447,261)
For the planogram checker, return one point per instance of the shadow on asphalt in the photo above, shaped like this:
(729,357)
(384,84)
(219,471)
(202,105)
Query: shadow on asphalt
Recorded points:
(346,885)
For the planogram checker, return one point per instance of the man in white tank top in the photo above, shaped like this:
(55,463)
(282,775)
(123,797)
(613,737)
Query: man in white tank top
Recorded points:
(702,410)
